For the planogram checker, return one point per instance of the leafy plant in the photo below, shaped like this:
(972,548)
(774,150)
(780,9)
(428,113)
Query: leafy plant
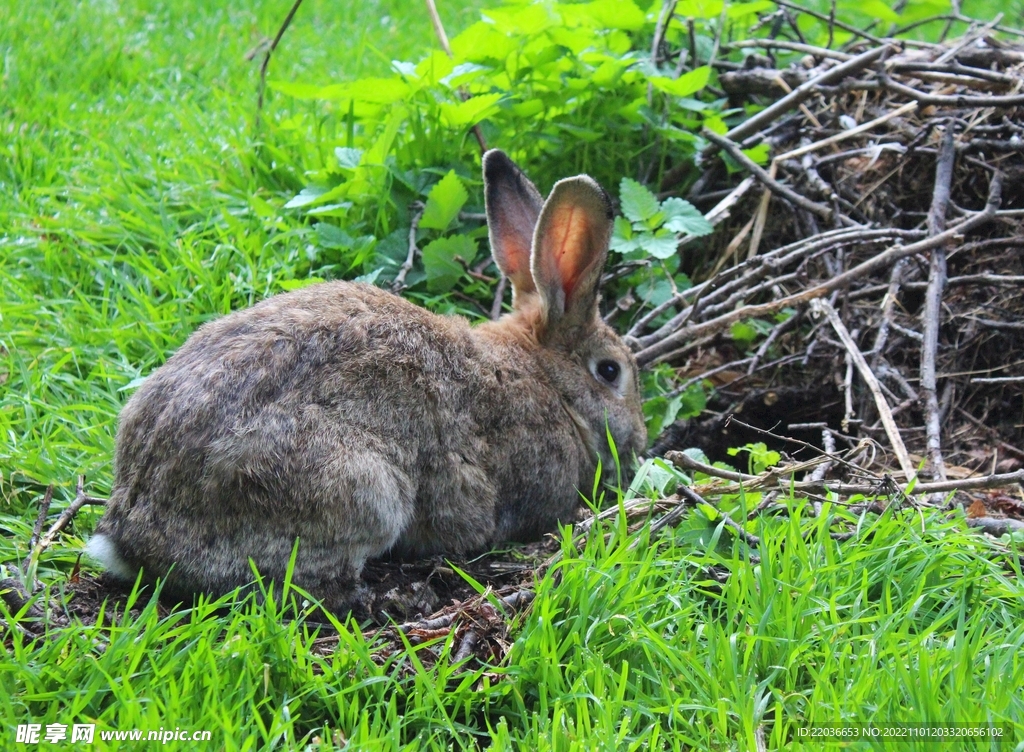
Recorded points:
(759,456)
(544,81)
(650,228)
(665,404)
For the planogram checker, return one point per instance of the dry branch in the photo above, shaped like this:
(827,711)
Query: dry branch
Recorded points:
(761,174)
(933,303)
(883,260)
(262,86)
(399,282)
(891,430)
(802,92)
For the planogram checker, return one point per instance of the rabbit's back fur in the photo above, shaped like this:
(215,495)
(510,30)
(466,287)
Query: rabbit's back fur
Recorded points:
(358,423)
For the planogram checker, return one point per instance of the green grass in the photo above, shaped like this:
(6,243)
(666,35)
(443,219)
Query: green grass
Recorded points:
(627,648)
(137,201)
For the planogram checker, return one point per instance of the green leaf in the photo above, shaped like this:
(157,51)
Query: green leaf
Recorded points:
(716,124)
(381,148)
(685,85)
(655,477)
(738,10)
(682,216)
(701,8)
(653,222)
(434,67)
(470,112)
(576,40)
(375,90)
(759,154)
(446,198)
(743,332)
(295,284)
(661,244)
(623,238)
(482,41)
(654,291)
(528,108)
(527,20)
(695,453)
(329,236)
(463,74)
(605,14)
(694,400)
(660,412)
(347,157)
(638,203)
(369,279)
(331,210)
(709,511)
(761,458)
(306,91)
(440,264)
(306,196)
(916,10)
(878,9)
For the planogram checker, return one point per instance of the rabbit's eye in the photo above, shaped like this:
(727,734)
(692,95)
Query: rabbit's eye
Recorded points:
(608,370)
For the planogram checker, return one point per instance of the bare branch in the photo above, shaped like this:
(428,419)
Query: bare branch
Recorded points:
(398,284)
(864,369)
(261,89)
(802,92)
(932,312)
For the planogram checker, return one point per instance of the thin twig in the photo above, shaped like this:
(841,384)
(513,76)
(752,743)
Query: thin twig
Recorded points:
(81,499)
(44,510)
(398,284)
(694,498)
(734,151)
(499,298)
(999,380)
(932,311)
(832,22)
(266,60)
(839,488)
(891,430)
(785,44)
(888,304)
(831,457)
(685,462)
(957,69)
(951,100)
(863,128)
(469,641)
(442,38)
(995,526)
(664,17)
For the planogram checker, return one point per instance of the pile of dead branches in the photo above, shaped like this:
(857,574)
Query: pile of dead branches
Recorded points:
(880,249)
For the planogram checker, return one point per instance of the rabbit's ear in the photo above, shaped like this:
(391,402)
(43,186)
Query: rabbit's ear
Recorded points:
(513,205)
(570,247)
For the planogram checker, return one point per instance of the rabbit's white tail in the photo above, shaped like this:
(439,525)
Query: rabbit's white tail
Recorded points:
(105,551)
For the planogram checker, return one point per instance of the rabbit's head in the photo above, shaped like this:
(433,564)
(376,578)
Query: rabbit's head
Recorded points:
(553,252)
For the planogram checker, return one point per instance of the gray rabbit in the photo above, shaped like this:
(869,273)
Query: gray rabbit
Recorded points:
(360,424)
